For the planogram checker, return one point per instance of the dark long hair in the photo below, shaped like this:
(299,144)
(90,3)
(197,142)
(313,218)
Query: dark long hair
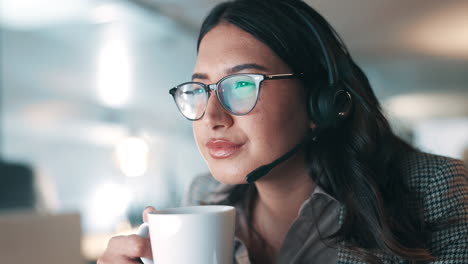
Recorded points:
(358,161)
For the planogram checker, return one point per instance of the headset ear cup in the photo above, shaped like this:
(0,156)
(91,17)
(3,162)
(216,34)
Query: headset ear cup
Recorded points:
(312,106)
(326,108)
(320,105)
(326,105)
(343,103)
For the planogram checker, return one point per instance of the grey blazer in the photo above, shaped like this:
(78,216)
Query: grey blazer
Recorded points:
(442,186)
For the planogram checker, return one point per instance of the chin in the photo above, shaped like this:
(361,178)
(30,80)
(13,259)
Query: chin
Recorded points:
(228,178)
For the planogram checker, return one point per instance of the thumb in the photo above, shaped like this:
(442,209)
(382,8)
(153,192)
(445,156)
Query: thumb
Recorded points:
(147,210)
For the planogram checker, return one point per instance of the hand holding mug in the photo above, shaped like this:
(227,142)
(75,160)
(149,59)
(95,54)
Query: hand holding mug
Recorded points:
(127,249)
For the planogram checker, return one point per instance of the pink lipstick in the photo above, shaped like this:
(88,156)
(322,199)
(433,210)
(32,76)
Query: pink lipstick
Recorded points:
(222,149)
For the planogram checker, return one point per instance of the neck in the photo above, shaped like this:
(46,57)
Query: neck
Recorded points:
(280,195)
(284,189)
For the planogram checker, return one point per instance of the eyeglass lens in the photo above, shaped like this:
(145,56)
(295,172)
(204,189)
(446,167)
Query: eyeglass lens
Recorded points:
(237,94)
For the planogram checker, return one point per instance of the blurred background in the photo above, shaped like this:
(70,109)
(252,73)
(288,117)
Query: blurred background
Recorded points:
(89,130)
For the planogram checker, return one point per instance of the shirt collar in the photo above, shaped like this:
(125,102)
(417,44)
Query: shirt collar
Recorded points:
(222,191)
(318,191)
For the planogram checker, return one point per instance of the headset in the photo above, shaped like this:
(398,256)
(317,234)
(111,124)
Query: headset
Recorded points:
(327,107)
(331,103)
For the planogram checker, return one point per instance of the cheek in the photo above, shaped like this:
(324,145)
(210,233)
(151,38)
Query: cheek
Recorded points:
(280,122)
(197,132)
(283,112)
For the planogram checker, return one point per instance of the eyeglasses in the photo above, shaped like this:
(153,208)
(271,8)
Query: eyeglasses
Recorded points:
(237,93)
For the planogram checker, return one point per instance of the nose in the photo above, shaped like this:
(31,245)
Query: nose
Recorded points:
(216,117)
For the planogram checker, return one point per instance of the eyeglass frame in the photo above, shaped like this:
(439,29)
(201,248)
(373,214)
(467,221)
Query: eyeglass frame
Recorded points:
(258,77)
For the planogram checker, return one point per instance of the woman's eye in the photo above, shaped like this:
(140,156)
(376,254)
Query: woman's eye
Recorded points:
(243,89)
(243,84)
(199,91)
(194,92)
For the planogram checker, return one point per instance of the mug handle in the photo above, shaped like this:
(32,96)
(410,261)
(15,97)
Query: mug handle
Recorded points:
(143,231)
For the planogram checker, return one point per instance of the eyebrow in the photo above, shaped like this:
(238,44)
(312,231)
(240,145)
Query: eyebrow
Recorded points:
(237,68)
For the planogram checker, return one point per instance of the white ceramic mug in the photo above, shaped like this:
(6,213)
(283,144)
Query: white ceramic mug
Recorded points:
(195,234)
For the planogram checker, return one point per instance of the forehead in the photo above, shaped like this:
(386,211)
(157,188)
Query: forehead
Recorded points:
(226,45)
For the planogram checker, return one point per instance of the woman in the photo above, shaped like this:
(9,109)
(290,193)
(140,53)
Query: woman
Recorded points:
(341,187)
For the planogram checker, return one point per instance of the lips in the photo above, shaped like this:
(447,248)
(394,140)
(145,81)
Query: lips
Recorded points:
(222,149)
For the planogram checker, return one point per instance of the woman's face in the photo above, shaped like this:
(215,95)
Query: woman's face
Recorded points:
(233,145)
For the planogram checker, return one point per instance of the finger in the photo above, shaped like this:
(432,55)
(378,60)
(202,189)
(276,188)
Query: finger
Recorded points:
(117,260)
(131,246)
(144,248)
(147,210)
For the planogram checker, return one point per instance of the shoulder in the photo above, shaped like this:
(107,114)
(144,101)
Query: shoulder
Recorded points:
(424,170)
(442,184)
(204,189)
